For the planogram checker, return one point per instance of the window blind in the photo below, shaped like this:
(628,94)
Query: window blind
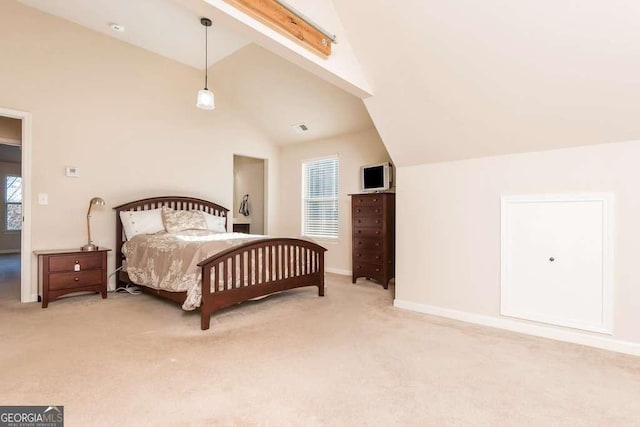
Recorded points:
(320,197)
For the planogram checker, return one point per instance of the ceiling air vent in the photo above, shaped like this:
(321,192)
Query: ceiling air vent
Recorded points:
(300,128)
(116,27)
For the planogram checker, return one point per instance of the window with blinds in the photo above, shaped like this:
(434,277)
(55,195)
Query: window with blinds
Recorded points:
(13,203)
(320,197)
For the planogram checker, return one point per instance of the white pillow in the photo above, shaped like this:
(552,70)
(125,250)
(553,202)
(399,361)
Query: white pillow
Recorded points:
(141,222)
(214,222)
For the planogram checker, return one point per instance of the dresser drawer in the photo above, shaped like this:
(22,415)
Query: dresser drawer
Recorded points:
(370,256)
(76,279)
(359,200)
(367,232)
(366,269)
(68,262)
(367,244)
(367,221)
(367,210)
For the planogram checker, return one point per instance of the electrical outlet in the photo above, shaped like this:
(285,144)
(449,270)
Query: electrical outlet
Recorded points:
(43,199)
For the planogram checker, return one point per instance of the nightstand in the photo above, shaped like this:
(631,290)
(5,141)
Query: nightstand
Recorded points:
(242,228)
(66,271)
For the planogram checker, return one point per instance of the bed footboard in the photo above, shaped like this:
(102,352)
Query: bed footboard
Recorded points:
(259,268)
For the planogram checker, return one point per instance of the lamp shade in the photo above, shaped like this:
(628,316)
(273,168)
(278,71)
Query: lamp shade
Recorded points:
(97,201)
(206,100)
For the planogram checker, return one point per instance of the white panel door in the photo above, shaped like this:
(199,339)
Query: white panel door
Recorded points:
(556,260)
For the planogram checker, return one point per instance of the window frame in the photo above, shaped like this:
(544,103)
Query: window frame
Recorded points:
(304,198)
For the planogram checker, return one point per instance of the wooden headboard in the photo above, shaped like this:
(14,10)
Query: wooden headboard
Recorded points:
(174,202)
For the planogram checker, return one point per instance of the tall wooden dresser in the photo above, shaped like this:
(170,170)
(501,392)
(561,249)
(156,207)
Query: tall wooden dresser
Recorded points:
(374,224)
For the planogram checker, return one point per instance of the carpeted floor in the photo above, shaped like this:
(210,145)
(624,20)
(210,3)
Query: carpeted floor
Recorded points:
(349,358)
(10,277)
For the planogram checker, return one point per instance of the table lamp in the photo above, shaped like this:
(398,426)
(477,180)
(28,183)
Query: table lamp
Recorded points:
(96,201)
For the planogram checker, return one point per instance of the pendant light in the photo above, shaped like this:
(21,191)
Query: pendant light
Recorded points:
(206,100)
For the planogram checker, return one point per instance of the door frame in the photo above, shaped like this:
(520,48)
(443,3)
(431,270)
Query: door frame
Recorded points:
(607,200)
(28,287)
(265,189)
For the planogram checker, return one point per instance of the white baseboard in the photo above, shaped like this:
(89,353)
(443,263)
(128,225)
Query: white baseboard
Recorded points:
(338,271)
(9,251)
(575,337)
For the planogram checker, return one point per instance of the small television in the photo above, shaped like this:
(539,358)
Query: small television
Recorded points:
(377,177)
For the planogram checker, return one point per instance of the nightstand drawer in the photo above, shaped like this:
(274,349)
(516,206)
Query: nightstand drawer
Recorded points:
(76,279)
(68,262)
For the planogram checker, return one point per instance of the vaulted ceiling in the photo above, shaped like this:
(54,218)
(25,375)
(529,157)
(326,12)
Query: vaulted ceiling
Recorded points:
(270,90)
(450,79)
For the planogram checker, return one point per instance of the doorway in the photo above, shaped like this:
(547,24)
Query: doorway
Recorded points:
(249,195)
(28,287)
(10,207)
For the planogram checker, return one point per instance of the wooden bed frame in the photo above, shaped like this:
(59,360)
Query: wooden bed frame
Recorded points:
(290,263)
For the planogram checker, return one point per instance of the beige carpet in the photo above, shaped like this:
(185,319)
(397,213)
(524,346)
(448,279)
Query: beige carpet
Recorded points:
(9,277)
(349,358)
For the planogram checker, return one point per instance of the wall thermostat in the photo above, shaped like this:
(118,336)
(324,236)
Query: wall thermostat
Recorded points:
(72,171)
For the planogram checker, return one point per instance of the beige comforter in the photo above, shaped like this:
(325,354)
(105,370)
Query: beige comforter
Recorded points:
(169,261)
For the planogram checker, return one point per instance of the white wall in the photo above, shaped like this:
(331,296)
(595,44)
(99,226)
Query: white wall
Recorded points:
(248,178)
(354,150)
(124,116)
(448,224)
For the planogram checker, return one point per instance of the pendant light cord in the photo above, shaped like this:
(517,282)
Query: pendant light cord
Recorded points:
(206,57)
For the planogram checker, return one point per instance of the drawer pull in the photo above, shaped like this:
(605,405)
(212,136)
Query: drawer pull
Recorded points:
(77,262)
(375,200)
(76,279)
(377,270)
